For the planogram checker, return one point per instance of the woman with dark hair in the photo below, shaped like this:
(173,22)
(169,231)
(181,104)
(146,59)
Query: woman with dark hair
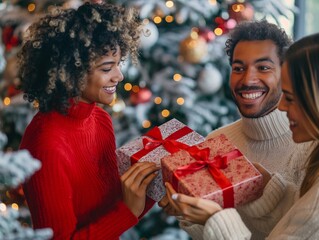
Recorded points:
(70,62)
(300,217)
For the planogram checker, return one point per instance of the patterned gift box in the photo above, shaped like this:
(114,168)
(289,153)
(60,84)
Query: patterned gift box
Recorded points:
(155,144)
(215,170)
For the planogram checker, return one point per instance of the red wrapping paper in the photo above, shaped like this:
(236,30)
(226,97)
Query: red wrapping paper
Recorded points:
(245,180)
(157,143)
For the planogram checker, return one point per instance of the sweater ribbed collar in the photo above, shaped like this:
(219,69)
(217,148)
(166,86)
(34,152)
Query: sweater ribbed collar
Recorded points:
(273,125)
(80,110)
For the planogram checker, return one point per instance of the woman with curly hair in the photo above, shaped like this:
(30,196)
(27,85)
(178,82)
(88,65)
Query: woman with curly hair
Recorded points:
(69,63)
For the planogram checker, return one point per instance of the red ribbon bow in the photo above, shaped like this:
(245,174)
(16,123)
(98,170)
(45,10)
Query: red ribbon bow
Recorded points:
(214,165)
(154,138)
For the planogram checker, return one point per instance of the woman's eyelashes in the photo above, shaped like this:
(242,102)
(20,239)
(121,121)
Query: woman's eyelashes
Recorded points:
(106,69)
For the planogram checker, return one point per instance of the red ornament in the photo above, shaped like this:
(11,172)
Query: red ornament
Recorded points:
(8,38)
(222,24)
(219,21)
(207,34)
(12,90)
(17,195)
(241,12)
(142,96)
(230,24)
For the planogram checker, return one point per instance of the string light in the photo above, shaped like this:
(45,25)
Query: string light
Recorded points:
(31,7)
(194,34)
(36,104)
(218,31)
(157,19)
(15,206)
(165,113)
(118,106)
(3,207)
(146,124)
(212,2)
(169,4)
(6,101)
(238,7)
(135,89)
(127,87)
(169,18)
(180,101)
(179,19)
(158,100)
(146,21)
(177,77)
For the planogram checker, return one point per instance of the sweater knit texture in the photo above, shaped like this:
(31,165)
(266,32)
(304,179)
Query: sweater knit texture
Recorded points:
(299,222)
(268,141)
(77,191)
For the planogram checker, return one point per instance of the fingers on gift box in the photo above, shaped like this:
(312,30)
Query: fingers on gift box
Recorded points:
(159,142)
(214,169)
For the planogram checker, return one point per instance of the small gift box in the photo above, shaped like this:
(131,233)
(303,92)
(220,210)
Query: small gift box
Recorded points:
(215,170)
(159,142)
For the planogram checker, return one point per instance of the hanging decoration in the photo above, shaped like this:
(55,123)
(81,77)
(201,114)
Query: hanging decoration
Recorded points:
(193,49)
(141,95)
(149,35)
(206,33)
(210,79)
(241,11)
(9,38)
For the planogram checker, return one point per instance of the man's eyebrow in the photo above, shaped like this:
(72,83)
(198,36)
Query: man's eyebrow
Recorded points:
(237,61)
(264,59)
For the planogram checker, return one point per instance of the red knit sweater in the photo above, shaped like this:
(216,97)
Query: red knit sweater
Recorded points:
(77,191)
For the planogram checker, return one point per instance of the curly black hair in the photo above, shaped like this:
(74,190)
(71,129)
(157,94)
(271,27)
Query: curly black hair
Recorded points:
(258,30)
(59,50)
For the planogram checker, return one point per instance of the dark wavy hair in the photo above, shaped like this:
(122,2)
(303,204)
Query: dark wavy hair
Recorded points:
(258,30)
(302,60)
(59,50)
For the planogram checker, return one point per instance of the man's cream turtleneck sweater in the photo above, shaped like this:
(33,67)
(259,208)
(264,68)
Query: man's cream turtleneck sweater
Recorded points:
(268,141)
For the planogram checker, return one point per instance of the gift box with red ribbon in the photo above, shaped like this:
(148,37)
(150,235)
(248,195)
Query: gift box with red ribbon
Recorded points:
(159,142)
(215,170)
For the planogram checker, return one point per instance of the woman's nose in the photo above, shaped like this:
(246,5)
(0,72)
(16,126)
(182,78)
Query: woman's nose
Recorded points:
(118,75)
(282,104)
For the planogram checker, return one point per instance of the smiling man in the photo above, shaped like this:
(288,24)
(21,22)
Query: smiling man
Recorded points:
(255,77)
(256,51)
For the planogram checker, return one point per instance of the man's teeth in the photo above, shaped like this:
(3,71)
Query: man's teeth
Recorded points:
(251,95)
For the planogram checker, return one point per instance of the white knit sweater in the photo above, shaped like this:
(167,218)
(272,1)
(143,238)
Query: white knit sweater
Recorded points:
(268,141)
(300,222)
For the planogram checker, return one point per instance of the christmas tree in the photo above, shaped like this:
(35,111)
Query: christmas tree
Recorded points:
(15,167)
(183,73)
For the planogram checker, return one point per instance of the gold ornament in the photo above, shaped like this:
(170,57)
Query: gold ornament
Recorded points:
(193,49)
(36,104)
(241,12)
